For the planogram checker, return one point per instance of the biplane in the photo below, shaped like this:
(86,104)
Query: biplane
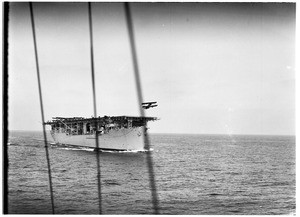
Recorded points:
(147,105)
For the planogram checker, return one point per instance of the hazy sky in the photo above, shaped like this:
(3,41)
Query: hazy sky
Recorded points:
(224,68)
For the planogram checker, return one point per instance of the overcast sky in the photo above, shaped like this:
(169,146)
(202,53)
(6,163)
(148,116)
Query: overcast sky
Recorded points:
(221,68)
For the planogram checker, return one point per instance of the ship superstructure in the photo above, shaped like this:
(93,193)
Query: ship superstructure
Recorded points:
(114,132)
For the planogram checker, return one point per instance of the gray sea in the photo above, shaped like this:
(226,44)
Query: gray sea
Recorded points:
(195,174)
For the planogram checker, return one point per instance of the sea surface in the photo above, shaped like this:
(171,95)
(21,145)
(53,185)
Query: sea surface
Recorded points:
(194,174)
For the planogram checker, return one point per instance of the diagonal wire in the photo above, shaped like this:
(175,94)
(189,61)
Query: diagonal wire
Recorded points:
(95,105)
(41,104)
(142,113)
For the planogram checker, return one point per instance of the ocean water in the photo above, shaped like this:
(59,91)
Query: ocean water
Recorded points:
(195,174)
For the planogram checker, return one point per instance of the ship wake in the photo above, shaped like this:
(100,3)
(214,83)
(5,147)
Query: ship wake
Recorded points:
(82,148)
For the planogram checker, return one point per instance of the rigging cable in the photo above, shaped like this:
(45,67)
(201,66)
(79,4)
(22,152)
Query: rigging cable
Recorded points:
(41,104)
(95,105)
(142,113)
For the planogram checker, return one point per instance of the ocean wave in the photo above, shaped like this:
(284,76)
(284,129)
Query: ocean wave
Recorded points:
(12,144)
(111,182)
(125,151)
(75,149)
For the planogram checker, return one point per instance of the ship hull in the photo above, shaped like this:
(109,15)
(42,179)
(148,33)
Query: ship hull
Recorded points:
(115,139)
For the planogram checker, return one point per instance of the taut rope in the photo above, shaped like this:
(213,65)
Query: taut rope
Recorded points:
(142,113)
(95,105)
(41,104)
